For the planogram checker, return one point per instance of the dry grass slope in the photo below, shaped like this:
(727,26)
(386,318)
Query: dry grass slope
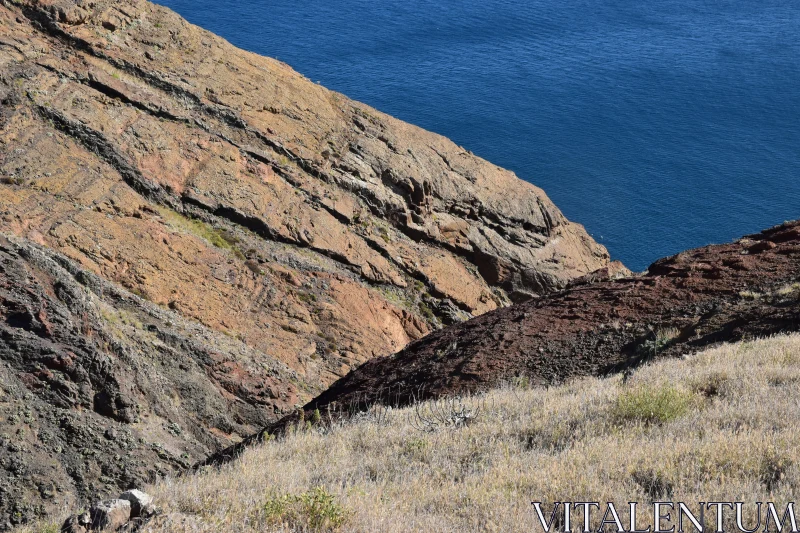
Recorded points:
(722,425)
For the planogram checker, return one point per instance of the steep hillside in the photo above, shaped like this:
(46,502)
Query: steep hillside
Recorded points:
(717,293)
(708,427)
(198,239)
(231,189)
(100,388)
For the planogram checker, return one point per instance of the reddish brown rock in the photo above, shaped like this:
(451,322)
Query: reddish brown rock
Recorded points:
(192,178)
(199,239)
(681,304)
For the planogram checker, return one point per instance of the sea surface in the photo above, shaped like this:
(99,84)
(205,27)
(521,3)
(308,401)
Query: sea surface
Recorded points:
(660,125)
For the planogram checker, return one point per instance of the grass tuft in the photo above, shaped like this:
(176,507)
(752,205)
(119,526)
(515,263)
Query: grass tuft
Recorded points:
(651,405)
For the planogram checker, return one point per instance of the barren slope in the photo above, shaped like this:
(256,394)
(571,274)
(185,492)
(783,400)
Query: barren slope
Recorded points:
(303,232)
(100,388)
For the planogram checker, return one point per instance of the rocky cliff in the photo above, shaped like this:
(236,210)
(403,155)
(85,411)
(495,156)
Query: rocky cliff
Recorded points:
(720,293)
(197,239)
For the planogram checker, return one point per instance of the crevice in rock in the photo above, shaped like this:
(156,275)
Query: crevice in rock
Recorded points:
(97,143)
(444,159)
(113,93)
(260,228)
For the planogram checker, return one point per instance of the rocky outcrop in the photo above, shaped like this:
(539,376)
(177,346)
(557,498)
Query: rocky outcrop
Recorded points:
(746,289)
(126,513)
(231,189)
(198,239)
(101,389)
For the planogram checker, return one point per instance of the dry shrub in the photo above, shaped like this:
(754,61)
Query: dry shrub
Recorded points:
(315,510)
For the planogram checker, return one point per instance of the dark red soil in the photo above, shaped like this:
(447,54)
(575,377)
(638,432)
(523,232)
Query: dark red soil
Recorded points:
(681,304)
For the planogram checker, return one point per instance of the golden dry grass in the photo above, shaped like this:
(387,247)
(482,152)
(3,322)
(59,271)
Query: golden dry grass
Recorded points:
(723,425)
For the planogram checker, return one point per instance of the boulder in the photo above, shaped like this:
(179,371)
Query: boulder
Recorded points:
(110,515)
(77,524)
(141,502)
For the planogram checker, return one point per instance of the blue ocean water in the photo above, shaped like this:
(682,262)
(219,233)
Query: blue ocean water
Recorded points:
(659,125)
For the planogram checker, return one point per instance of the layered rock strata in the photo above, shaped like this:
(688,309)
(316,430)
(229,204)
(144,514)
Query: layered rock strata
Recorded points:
(197,239)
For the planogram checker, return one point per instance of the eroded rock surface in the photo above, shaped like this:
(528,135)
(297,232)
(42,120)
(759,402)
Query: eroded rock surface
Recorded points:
(221,240)
(102,389)
(682,304)
(230,188)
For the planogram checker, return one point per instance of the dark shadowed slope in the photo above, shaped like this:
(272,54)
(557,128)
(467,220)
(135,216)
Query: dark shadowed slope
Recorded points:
(102,390)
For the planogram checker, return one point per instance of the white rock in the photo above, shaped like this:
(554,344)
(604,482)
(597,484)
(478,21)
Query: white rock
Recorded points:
(140,502)
(110,515)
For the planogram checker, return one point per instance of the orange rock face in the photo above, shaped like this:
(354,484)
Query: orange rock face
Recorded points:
(160,157)
(227,189)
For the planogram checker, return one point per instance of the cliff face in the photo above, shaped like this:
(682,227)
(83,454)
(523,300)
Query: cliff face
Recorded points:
(199,238)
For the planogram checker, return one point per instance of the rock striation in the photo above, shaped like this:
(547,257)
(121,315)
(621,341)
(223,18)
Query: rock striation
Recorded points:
(198,239)
(720,293)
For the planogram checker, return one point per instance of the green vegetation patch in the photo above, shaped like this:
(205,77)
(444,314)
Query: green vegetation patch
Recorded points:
(315,510)
(306,297)
(47,528)
(222,239)
(652,405)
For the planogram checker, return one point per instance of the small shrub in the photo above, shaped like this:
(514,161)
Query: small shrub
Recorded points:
(711,385)
(654,484)
(427,312)
(306,297)
(138,292)
(553,435)
(315,510)
(521,382)
(773,470)
(415,446)
(750,295)
(657,341)
(791,290)
(651,405)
